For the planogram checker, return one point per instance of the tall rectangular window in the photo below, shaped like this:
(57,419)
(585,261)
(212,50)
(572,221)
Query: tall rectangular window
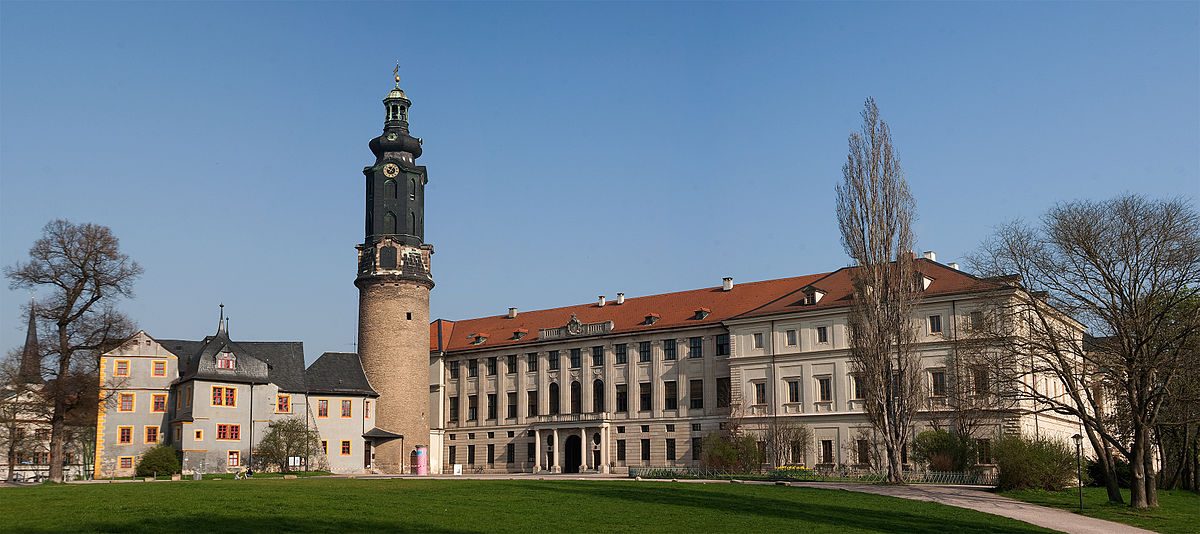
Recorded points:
(472,368)
(976,320)
(367,409)
(793,390)
(575,357)
(345,447)
(151,434)
(791,338)
(512,405)
(234,459)
(453,367)
(645,450)
(620,450)
(858,391)
(453,409)
(935,324)
(979,376)
(824,389)
(531,451)
(760,393)
(696,393)
(158,403)
(939,383)
(124,434)
(984,448)
(644,391)
(491,407)
(453,454)
(622,398)
(531,400)
(697,446)
(724,392)
(644,351)
(283,403)
(822,334)
(510,453)
(671,395)
(347,409)
(531,360)
(758,340)
(510,364)
(826,451)
(597,356)
(491,454)
(470,455)
(491,366)
(668,349)
(322,408)
(472,407)
(622,353)
(695,347)
(722,344)
(671,450)
(552,359)
(864,452)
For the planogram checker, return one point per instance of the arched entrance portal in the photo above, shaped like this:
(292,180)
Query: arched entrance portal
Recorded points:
(574,454)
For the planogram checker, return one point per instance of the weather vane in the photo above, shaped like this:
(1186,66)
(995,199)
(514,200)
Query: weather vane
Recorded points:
(396,73)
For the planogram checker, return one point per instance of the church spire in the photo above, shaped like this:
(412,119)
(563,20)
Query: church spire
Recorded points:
(31,357)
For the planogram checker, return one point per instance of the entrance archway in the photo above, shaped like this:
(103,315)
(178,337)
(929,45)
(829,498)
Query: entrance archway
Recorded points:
(574,454)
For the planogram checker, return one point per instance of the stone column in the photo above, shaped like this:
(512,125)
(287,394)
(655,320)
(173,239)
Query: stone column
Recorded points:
(556,451)
(537,450)
(604,450)
(585,449)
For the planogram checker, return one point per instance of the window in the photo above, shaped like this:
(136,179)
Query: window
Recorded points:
(531,451)
(976,320)
(760,393)
(366,409)
(229,432)
(554,397)
(984,448)
(824,389)
(644,391)
(345,447)
(126,402)
(453,366)
(758,340)
(472,368)
(644,351)
(620,450)
(645,450)
(724,392)
(178,431)
(453,407)
(695,347)
(622,352)
(826,451)
(797,452)
(222,396)
(491,406)
(491,454)
(864,452)
(855,381)
(151,434)
(938,379)
(531,360)
(126,462)
(722,344)
(597,356)
(696,394)
(697,445)
(671,395)
(532,398)
(575,357)
(199,435)
(187,399)
(791,338)
(576,397)
(512,405)
(40,434)
(491,366)
(470,455)
(225,360)
(124,434)
(645,428)
(598,396)
(980,379)
(234,459)
(283,404)
(322,407)
(935,324)
(453,454)
(552,360)
(158,403)
(622,398)
(347,409)
(472,407)
(160,368)
(510,453)
(670,428)
(325,447)
(670,449)
(510,364)
(122,368)
(668,349)
(822,334)
(793,390)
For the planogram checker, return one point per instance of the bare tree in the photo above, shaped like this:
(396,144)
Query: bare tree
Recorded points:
(875,213)
(1122,267)
(787,442)
(85,273)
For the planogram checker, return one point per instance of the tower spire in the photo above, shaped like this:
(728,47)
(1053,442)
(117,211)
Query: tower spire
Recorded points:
(31,357)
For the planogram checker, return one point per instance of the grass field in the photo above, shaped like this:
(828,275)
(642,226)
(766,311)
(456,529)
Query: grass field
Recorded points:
(345,505)
(1178,511)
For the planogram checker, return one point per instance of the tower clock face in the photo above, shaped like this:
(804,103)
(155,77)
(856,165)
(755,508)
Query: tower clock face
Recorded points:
(391,170)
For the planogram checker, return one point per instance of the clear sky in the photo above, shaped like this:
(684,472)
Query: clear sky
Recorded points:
(574,149)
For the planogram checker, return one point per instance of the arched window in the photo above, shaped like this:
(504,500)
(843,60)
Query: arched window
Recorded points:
(412,222)
(402,116)
(389,188)
(389,223)
(576,397)
(553,397)
(412,189)
(598,396)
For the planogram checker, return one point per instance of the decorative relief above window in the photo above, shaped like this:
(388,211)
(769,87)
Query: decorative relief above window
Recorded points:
(575,328)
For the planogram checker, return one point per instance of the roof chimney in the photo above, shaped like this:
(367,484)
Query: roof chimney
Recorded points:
(954,266)
(601,302)
(512,313)
(930,255)
(727,283)
(620,298)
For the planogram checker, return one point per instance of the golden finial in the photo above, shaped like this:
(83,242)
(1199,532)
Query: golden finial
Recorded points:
(396,73)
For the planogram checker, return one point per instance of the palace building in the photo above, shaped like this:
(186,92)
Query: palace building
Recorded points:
(601,387)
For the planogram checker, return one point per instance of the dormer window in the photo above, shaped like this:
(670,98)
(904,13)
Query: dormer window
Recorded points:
(520,333)
(651,318)
(701,313)
(812,296)
(479,339)
(226,360)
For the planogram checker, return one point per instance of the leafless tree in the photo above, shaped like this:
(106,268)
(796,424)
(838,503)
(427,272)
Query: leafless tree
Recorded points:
(875,213)
(1122,267)
(787,442)
(85,273)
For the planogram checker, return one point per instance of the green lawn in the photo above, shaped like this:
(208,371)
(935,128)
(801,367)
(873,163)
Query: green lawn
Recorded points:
(1178,511)
(359,505)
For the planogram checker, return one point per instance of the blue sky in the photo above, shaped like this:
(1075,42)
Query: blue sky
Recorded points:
(574,149)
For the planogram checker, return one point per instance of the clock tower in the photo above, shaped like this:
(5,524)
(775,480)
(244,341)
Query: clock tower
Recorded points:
(393,286)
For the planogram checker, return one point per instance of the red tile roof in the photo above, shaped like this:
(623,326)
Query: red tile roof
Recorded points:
(674,310)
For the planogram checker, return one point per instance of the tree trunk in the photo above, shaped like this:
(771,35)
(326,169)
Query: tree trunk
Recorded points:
(58,416)
(1111,484)
(12,453)
(1137,471)
(1151,475)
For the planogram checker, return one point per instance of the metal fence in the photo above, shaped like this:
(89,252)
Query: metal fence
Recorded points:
(835,474)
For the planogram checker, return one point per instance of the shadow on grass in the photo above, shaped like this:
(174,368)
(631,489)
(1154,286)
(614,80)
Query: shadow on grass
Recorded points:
(207,523)
(893,517)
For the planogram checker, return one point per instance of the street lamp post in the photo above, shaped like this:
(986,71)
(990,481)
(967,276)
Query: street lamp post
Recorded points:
(1079,467)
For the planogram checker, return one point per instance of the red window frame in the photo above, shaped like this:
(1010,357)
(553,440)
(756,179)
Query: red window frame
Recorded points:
(229,432)
(124,434)
(347,409)
(322,407)
(126,462)
(159,403)
(151,434)
(160,368)
(283,404)
(234,459)
(122,368)
(125,402)
(345,447)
